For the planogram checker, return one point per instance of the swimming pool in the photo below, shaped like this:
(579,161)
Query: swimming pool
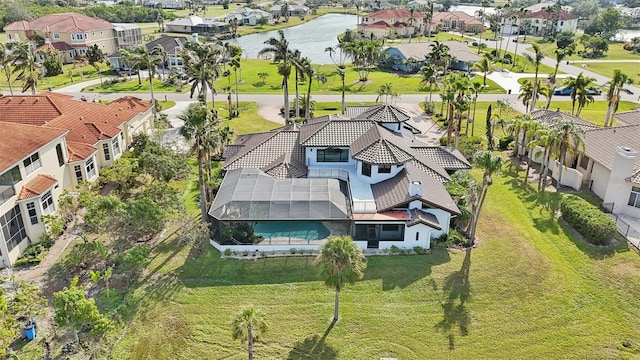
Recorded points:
(305,230)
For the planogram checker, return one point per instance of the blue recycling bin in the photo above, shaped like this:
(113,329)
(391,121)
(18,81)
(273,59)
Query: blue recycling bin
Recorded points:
(30,332)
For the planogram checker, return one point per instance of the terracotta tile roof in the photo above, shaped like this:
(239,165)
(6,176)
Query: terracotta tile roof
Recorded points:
(36,186)
(542,14)
(130,103)
(449,158)
(420,217)
(394,192)
(394,14)
(549,117)
(628,117)
(79,151)
(383,114)
(20,141)
(28,109)
(601,144)
(59,45)
(61,23)
(378,146)
(382,216)
(375,25)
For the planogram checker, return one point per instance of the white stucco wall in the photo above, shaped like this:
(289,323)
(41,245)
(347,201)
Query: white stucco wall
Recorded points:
(570,177)
(424,234)
(599,180)
(536,154)
(377,177)
(443,218)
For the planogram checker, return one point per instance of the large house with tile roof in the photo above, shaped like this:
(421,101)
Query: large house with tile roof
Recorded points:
(400,22)
(609,166)
(456,21)
(48,143)
(72,34)
(364,175)
(537,23)
(410,58)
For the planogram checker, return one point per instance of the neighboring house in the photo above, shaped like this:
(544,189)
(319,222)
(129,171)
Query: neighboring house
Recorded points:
(294,10)
(73,34)
(384,23)
(545,5)
(375,5)
(512,23)
(423,4)
(166,4)
(410,58)
(196,24)
(364,176)
(171,45)
(456,21)
(48,143)
(247,16)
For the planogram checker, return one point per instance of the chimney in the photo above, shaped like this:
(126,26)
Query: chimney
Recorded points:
(415,188)
(622,168)
(47,41)
(194,37)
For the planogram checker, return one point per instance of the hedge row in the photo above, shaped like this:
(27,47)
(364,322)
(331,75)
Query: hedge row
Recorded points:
(587,219)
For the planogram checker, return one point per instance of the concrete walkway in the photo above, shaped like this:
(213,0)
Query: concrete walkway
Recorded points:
(629,227)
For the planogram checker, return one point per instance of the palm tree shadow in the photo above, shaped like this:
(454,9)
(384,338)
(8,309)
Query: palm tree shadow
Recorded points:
(314,347)
(455,313)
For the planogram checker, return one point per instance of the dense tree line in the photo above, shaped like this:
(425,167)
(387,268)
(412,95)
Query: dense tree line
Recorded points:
(18,10)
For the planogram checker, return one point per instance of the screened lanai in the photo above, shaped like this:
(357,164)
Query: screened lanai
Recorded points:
(252,207)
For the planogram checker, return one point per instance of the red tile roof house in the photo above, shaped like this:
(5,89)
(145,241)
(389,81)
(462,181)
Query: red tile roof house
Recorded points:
(610,165)
(364,175)
(48,143)
(456,21)
(383,23)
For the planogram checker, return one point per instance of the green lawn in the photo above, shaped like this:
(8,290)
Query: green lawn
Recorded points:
(71,74)
(133,86)
(166,105)
(523,64)
(248,122)
(252,83)
(616,52)
(593,112)
(606,68)
(531,290)
(480,126)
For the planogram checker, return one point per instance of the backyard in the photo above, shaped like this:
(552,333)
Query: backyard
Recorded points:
(593,112)
(606,68)
(530,290)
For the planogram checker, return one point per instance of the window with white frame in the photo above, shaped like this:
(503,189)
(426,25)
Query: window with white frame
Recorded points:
(634,197)
(91,168)
(116,146)
(78,171)
(56,36)
(47,203)
(105,149)
(33,215)
(12,227)
(32,163)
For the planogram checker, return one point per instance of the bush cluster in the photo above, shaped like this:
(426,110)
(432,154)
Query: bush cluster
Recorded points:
(587,219)
(36,253)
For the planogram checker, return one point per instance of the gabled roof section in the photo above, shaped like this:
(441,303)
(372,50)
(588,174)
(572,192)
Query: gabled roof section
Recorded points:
(17,141)
(334,132)
(265,149)
(548,118)
(601,144)
(79,151)
(28,109)
(168,43)
(628,117)
(286,166)
(36,186)
(449,158)
(383,114)
(380,146)
(61,23)
(395,14)
(420,217)
(394,192)
(457,15)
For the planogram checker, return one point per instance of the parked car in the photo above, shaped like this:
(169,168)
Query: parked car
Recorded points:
(475,43)
(593,90)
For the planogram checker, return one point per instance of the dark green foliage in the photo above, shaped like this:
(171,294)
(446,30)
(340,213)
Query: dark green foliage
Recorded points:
(504,142)
(159,162)
(35,253)
(238,232)
(587,219)
(489,131)
(133,261)
(52,63)
(470,145)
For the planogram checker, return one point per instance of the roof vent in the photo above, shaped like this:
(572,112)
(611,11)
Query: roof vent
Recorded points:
(415,188)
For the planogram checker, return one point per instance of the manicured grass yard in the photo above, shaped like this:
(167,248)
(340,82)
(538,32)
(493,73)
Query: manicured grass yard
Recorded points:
(593,112)
(616,52)
(530,290)
(606,68)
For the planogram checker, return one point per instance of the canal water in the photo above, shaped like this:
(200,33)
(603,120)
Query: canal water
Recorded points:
(310,38)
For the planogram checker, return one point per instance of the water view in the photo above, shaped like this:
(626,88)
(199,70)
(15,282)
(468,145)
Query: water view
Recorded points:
(310,38)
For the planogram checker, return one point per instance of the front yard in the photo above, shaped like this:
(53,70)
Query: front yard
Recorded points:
(530,290)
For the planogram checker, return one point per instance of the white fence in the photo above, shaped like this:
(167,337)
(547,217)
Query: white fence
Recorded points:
(328,173)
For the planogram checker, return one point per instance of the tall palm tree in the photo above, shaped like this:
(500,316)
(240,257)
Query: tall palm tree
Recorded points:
(411,22)
(560,55)
(526,92)
(385,89)
(338,57)
(490,164)
(307,70)
(570,140)
(584,99)
(546,91)
(428,15)
(280,49)
(7,58)
(202,67)
(341,262)
(200,127)
(26,65)
(514,127)
(536,60)
(235,65)
(248,327)
(477,88)
(440,56)
(429,78)
(616,87)
(296,61)
(547,139)
(485,66)
(579,84)
(140,57)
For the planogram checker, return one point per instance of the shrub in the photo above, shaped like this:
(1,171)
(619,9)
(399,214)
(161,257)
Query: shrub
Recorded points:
(293,250)
(456,238)
(429,107)
(395,249)
(419,250)
(587,219)
(470,145)
(504,142)
(227,252)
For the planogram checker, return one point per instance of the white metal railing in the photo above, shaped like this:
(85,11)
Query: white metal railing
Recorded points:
(364,206)
(328,173)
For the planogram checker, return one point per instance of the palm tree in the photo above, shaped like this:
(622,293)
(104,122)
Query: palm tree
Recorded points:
(341,262)
(140,57)
(280,49)
(440,56)
(546,91)
(490,164)
(543,137)
(570,140)
(263,77)
(200,126)
(616,87)
(526,92)
(429,78)
(307,70)
(248,327)
(411,22)
(536,60)
(428,15)
(584,98)
(477,88)
(296,61)
(385,89)
(579,84)
(6,61)
(202,67)
(338,60)
(235,65)
(514,127)
(560,55)
(26,65)
(484,65)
